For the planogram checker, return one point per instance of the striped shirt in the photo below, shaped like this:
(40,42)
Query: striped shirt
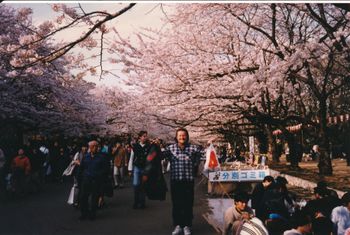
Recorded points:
(182,161)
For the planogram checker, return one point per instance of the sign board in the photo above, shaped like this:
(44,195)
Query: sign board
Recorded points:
(251,144)
(238,176)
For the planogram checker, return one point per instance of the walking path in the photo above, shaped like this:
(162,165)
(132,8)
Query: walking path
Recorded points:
(48,213)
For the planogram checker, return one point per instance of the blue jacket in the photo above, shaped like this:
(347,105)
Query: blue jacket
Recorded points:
(93,168)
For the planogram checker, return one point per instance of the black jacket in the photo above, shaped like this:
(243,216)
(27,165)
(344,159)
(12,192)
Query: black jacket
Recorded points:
(155,186)
(140,154)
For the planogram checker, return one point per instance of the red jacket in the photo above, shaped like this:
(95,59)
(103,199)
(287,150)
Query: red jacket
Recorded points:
(21,162)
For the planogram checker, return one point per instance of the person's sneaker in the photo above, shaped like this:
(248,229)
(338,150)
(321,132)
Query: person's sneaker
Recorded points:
(187,230)
(177,230)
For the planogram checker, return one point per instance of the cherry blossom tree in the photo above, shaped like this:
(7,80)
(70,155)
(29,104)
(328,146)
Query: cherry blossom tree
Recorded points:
(264,66)
(93,39)
(216,68)
(42,97)
(52,75)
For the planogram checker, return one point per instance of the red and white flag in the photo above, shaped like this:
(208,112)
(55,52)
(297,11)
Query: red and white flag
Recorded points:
(211,162)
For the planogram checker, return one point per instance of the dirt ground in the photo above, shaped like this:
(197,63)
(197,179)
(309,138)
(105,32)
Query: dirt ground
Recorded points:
(340,179)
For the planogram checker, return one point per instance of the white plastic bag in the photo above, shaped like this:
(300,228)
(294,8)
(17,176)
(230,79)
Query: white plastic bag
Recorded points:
(71,197)
(69,170)
(131,161)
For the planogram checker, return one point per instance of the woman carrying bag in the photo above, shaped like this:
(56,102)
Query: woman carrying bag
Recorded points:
(72,169)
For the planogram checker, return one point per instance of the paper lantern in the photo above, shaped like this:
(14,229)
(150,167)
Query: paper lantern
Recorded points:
(277,132)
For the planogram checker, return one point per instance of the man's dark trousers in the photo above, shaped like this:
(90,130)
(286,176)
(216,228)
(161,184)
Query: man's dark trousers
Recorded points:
(90,188)
(182,196)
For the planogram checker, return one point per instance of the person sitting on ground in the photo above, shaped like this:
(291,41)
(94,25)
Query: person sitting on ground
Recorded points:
(321,224)
(276,207)
(301,224)
(289,197)
(236,213)
(330,192)
(323,200)
(277,200)
(258,193)
(341,215)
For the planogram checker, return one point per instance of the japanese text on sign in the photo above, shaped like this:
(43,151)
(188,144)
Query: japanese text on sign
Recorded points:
(244,175)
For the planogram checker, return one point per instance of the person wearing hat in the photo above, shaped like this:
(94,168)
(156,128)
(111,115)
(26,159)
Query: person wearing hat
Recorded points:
(238,212)
(341,215)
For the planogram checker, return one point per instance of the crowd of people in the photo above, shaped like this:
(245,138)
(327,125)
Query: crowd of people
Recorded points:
(98,167)
(276,211)
(302,153)
(145,163)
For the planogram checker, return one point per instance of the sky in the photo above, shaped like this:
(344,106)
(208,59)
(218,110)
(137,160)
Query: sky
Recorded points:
(142,15)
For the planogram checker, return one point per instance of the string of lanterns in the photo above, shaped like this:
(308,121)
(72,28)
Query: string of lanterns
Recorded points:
(330,121)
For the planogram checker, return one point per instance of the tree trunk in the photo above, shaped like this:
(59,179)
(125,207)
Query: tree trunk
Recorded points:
(325,161)
(271,140)
(294,150)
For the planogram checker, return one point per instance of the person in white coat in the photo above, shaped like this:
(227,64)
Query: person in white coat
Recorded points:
(341,215)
